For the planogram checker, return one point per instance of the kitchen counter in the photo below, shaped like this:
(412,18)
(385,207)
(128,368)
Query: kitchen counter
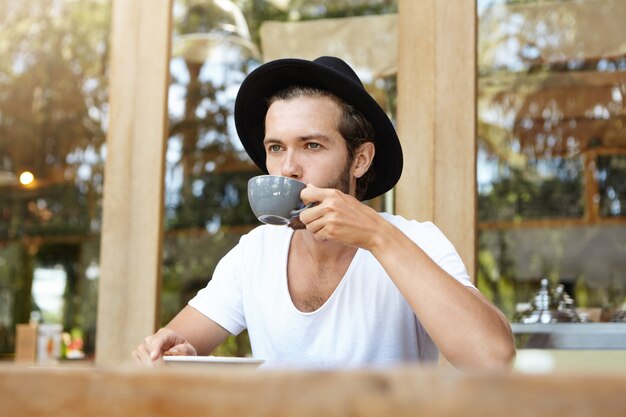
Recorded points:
(570,335)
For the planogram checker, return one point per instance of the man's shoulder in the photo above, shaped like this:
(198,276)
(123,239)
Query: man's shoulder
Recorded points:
(403,223)
(265,233)
(421,233)
(259,243)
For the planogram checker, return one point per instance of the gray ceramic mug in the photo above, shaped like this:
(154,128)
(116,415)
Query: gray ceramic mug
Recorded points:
(275,199)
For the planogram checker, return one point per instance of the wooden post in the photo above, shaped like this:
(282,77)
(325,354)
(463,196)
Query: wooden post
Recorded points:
(133,191)
(437,118)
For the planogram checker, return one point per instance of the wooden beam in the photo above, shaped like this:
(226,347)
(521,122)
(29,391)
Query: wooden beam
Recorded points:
(437,118)
(551,223)
(131,242)
(592,192)
(402,391)
(504,80)
(415,193)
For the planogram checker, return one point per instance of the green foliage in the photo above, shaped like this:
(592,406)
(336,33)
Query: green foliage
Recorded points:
(581,292)
(235,346)
(611,173)
(53,109)
(520,194)
(188,263)
(52,77)
(494,280)
(53,94)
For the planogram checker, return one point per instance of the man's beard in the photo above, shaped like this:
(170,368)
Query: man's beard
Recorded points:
(341,183)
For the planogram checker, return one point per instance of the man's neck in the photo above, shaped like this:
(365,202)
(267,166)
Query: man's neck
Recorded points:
(321,251)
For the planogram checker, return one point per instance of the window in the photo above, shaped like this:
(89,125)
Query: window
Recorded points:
(552,146)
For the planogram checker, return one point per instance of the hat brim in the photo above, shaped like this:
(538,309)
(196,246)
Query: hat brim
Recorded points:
(266,80)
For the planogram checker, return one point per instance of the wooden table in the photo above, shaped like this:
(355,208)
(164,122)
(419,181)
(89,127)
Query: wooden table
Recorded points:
(408,391)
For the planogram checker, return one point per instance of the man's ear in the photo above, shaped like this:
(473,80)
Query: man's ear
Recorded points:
(363,158)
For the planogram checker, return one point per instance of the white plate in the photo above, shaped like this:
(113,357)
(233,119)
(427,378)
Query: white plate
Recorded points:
(213,360)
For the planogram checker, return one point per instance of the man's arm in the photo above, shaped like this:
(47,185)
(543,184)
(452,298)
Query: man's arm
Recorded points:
(468,330)
(189,333)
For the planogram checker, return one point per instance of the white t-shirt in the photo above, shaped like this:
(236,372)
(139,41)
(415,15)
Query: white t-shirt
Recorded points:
(366,321)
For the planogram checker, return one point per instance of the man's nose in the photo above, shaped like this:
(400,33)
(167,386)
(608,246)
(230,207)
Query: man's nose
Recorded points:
(290,166)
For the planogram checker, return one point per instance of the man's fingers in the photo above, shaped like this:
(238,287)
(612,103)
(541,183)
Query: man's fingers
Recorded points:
(190,349)
(182,349)
(312,194)
(141,356)
(162,341)
(153,346)
(310,214)
(314,224)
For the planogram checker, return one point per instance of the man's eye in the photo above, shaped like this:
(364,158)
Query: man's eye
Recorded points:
(313,145)
(274,148)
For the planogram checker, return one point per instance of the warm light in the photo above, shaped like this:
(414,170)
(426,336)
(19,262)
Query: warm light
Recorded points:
(26,178)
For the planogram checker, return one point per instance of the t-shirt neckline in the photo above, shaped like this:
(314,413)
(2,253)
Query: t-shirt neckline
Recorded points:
(285,282)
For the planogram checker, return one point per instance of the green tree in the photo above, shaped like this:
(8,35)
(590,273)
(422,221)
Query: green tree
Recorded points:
(53,95)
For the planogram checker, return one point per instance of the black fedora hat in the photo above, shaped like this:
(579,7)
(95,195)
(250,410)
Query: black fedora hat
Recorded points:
(326,73)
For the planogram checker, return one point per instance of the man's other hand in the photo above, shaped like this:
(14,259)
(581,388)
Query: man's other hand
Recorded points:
(165,341)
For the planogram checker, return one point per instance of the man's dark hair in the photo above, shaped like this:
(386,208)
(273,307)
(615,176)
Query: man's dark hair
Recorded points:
(353,126)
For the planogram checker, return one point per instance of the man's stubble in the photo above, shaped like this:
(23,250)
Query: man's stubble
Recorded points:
(341,183)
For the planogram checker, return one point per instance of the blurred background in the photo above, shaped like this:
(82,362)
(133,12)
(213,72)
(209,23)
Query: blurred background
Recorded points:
(551,165)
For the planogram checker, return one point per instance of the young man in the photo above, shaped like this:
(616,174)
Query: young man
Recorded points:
(343,286)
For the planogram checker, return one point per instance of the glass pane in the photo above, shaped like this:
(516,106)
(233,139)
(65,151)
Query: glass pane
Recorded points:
(53,94)
(611,172)
(552,139)
(215,44)
(545,188)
